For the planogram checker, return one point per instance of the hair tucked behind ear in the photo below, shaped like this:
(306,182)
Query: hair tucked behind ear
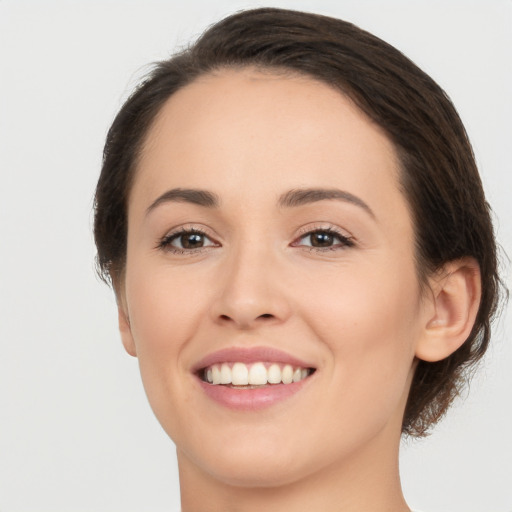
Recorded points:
(438,176)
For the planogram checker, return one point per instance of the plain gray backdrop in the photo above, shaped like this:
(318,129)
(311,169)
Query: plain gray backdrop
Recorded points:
(76,433)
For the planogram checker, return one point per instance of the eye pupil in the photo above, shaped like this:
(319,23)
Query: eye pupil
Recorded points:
(321,239)
(192,240)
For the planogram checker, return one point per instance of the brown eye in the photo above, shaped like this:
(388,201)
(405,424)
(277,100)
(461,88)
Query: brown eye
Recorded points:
(324,239)
(191,240)
(186,241)
(321,239)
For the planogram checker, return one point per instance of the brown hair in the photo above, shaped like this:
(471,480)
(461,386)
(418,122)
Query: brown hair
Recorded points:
(438,176)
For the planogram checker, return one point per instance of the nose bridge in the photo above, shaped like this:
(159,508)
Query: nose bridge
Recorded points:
(250,291)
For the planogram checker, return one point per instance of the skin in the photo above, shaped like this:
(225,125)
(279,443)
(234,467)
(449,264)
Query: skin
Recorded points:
(354,311)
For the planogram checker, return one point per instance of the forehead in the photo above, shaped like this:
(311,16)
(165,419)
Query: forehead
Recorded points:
(240,131)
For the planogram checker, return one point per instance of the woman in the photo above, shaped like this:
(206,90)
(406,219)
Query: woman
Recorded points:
(302,254)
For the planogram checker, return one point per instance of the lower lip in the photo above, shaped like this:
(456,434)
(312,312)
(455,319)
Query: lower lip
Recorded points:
(252,399)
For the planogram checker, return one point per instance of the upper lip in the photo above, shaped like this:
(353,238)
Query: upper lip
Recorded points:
(249,355)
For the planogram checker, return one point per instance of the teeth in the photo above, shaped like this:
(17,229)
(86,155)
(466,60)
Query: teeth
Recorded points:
(256,374)
(274,374)
(240,374)
(225,374)
(215,375)
(287,374)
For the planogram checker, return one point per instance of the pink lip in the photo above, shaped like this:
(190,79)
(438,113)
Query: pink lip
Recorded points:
(250,399)
(249,355)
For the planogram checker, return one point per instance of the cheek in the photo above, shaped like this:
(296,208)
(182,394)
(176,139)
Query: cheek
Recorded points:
(164,308)
(369,320)
(365,304)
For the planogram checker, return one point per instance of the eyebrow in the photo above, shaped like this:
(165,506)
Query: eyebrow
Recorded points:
(290,199)
(186,195)
(299,197)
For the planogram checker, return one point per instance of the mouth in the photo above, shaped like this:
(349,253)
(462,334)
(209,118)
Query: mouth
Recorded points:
(249,379)
(240,375)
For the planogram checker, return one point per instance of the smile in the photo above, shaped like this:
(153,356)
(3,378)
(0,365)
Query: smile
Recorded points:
(250,379)
(256,374)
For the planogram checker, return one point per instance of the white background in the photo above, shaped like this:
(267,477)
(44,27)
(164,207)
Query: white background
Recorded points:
(76,433)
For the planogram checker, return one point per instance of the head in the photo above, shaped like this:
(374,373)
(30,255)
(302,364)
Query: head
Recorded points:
(406,115)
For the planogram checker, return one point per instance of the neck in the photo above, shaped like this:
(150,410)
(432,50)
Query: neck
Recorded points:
(367,480)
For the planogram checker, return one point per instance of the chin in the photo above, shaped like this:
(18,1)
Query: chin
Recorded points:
(247,457)
(253,472)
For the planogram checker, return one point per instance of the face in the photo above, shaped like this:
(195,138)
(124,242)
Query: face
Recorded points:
(269,242)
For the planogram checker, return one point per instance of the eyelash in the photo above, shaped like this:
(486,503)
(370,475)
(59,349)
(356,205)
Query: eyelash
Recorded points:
(344,241)
(166,242)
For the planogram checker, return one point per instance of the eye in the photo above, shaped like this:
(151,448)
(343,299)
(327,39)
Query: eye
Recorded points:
(324,239)
(186,240)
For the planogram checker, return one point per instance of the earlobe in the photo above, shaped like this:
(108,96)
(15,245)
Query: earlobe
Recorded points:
(455,300)
(126,331)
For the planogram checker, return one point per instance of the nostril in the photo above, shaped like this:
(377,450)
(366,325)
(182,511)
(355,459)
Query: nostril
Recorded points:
(245,321)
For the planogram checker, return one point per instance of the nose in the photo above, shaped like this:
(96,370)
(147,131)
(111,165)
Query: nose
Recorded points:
(251,291)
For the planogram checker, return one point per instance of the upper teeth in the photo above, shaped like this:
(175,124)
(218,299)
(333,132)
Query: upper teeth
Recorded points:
(256,374)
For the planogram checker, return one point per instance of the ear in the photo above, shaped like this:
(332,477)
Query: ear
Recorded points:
(451,311)
(126,330)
